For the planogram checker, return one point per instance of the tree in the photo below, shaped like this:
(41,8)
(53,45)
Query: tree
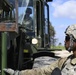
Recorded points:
(60,44)
(52,30)
(52,35)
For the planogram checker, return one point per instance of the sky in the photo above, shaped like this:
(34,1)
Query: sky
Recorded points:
(62,14)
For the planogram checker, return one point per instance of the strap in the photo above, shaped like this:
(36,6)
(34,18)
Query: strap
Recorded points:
(63,64)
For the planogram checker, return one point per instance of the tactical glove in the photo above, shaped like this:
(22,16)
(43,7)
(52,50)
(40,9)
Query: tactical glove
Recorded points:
(11,71)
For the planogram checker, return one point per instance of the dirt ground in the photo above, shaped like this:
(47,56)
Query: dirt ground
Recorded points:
(63,53)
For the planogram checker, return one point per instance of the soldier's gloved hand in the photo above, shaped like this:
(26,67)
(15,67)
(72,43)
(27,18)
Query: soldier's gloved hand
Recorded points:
(11,71)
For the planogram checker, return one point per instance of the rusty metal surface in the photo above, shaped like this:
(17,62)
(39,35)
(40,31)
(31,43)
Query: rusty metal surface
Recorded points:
(12,27)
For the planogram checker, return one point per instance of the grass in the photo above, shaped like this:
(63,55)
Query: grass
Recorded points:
(58,47)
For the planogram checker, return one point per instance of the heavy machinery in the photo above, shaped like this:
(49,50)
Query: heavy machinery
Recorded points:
(21,37)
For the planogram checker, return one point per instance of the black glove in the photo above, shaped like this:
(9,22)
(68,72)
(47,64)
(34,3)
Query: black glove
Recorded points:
(56,71)
(11,71)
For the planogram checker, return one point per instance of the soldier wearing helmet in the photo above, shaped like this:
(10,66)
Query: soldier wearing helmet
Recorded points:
(28,21)
(63,66)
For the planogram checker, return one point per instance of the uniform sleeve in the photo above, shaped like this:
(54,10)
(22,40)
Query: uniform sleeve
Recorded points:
(46,70)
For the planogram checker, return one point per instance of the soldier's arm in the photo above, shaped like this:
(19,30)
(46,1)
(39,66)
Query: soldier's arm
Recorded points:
(46,70)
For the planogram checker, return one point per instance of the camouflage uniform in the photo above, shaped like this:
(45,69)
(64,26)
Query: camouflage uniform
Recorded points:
(69,67)
(66,65)
(63,64)
(46,70)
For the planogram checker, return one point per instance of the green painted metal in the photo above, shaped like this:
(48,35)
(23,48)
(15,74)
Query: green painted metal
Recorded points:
(4,52)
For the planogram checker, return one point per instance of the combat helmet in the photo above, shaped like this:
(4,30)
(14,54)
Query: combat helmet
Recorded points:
(71,32)
(29,10)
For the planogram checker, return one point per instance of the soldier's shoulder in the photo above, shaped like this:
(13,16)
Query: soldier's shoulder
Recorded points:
(61,61)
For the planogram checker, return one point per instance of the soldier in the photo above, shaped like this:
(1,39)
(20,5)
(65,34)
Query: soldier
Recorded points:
(63,66)
(28,21)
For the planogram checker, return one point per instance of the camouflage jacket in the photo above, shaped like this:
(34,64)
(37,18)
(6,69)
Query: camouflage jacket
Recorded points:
(45,70)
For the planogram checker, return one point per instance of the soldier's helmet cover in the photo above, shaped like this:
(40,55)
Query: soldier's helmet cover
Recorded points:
(71,30)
